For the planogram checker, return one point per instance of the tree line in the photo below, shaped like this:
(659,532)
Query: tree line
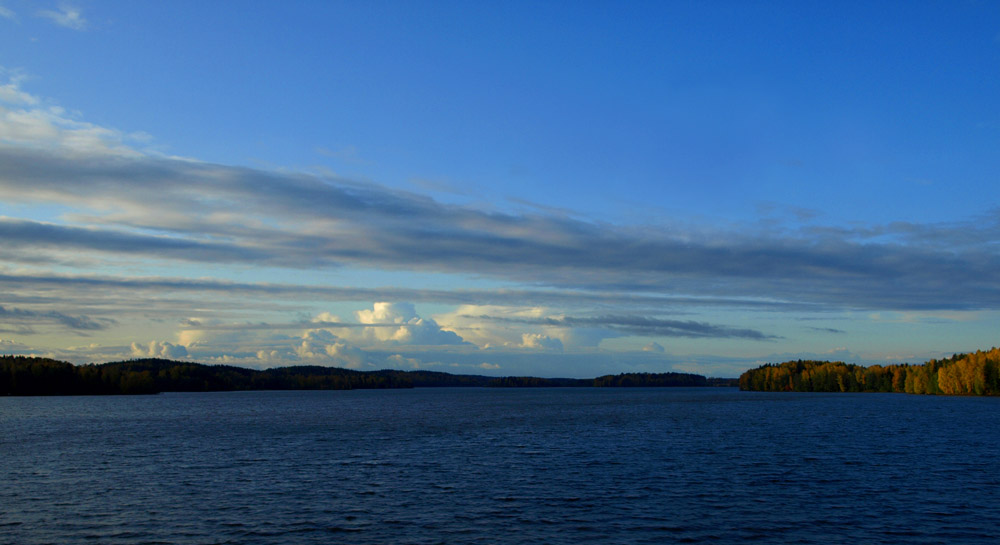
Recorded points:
(22,375)
(975,373)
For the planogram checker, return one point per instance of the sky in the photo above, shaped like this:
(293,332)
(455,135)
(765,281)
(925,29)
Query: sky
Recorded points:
(556,189)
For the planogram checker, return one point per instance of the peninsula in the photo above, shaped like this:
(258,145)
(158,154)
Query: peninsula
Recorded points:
(976,373)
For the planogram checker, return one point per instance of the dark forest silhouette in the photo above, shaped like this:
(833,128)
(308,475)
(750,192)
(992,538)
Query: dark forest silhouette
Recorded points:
(23,375)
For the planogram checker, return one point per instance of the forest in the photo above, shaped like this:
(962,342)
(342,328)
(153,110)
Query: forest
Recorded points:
(26,376)
(961,374)
(20,375)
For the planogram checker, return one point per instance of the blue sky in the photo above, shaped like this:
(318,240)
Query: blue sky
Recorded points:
(546,188)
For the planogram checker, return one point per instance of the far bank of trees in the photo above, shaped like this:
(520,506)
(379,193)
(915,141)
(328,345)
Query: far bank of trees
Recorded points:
(21,375)
(975,373)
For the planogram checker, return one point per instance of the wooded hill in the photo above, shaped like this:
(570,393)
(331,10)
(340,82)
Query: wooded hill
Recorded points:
(21,375)
(975,373)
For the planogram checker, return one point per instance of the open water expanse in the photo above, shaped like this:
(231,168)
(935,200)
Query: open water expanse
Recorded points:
(558,466)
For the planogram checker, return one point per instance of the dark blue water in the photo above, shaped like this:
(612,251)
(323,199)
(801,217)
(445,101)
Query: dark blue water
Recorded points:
(456,466)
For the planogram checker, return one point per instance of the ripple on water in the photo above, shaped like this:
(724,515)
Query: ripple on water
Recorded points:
(559,466)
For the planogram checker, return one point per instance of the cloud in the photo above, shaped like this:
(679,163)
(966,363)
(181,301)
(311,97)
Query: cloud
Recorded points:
(323,347)
(540,342)
(315,222)
(827,330)
(10,92)
(198,333)
(384,324)
(471,323)
(6,13)
(9,346)
(398,361)
(345,355)
(492,326)
(26,317)
(508,298)
(404,326)
(654,347)
(67,15)
(271,356)
(639,325)
(157,349)
(35,235)
(25,123)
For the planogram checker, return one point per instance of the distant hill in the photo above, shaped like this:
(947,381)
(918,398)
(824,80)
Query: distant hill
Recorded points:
(22,375)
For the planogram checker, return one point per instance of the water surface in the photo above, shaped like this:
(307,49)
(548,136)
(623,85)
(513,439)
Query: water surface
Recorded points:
(463,466)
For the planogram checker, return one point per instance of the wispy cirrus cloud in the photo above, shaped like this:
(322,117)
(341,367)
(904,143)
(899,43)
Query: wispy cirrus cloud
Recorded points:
(639,325)
(25,318)
(306,221)
(129,204)
(66,15)
(62,286)
(40,235)
(827,330)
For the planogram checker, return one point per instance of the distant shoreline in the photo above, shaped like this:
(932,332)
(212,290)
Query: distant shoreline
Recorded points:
(31,376)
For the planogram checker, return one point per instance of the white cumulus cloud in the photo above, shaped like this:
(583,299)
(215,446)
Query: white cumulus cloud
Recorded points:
(157,349)
(319,346)
(399,324)
(537,341)
(477,324)
(400,361)
(345,355)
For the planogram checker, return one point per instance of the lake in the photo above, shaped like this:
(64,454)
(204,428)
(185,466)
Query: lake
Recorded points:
(468,465)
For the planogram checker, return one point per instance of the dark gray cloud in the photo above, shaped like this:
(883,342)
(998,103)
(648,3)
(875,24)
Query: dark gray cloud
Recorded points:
(18,330)
(639,325)
(828,330)
(20,317)
(38,235)
(86,286)
(186,210)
